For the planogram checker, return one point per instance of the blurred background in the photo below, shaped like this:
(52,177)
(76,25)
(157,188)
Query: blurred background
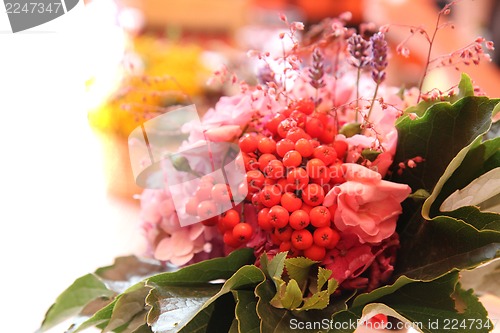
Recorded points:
(73,89)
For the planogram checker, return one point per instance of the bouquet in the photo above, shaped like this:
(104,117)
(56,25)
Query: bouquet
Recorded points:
(347,202)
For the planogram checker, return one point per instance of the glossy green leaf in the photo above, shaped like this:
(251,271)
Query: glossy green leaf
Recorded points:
(127,307)
(246,312)
(174,305)
(482,221)
(442,131)
(430,249)
(472,162)
(74,299)
(208,270)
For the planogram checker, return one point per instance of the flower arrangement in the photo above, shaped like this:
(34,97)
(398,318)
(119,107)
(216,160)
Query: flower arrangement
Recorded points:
(360,204)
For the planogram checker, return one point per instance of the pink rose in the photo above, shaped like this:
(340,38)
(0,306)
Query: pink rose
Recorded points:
(367,206)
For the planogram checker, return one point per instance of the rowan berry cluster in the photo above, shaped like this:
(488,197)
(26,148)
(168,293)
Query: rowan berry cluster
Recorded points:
(290,167)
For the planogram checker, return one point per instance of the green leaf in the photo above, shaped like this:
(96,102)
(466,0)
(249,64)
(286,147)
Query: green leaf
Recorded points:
(430,249)
(442,131)
(74,299)
(201,321)
(482,221)
(273,268)
(370,154)
(286,321)
(323,276)
(434,303)
(208,270)
(465,87)
(318,300)
(174,306)
(298,268)
(246,312)
(126,271)
(350,129)
(472,162)
(292,298)
(127,307)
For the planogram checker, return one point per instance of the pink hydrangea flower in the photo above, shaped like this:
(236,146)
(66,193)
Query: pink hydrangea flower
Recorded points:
(367,206)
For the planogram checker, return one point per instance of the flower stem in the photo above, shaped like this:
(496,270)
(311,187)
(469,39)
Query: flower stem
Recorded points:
(428,61)
(373,102)
(357,93)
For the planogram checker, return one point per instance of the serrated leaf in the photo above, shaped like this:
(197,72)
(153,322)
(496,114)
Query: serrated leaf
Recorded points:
(316,301)
(208,270)
(272,319)
(246,312)
(298,268)
(280,292)
(323,276)
(273,268)
(442,131)
(292,298)
(74,299)
(332,286)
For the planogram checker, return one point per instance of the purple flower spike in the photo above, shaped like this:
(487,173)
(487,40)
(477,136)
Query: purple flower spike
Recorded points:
(359,49)
(379,57)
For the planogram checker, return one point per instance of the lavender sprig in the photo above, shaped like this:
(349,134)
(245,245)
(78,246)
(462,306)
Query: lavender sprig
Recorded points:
(317,70)
(379,57)
(378,64)
(359,49)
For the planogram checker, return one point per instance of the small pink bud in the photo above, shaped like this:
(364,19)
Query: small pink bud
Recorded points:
(282,35)
(283,17)
(490,45)
(412,116)
(479,39)
(411,163)
(345,16)
(298,25)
